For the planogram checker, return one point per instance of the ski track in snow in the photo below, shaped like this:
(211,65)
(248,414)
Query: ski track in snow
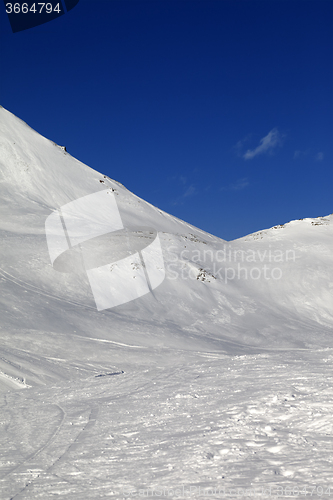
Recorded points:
(245,422)
(52,452)
(32,288)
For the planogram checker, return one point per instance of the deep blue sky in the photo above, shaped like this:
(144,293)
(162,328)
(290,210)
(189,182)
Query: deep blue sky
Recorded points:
(219,112)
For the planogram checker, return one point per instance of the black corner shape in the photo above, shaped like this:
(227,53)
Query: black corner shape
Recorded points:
(26,14)
(70,4)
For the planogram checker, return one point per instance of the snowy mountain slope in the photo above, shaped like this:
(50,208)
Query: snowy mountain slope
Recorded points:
(270,290)
(163,378)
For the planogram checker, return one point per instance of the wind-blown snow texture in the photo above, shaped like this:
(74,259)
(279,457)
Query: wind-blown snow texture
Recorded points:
(221,379)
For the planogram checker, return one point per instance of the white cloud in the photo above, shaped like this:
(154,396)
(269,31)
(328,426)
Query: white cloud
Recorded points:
(266,144)
(239,147)
(189,191)
(238,185)
(303,154)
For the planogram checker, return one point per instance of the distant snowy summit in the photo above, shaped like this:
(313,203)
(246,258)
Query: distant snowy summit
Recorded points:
(292,227)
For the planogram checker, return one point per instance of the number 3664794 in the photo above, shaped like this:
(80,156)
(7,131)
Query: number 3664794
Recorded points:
(36,8)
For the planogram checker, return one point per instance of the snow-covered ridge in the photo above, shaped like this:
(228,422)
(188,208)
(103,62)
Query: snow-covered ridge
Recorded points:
(295,226)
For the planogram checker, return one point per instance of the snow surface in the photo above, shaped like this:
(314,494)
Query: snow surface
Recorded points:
(218,384)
